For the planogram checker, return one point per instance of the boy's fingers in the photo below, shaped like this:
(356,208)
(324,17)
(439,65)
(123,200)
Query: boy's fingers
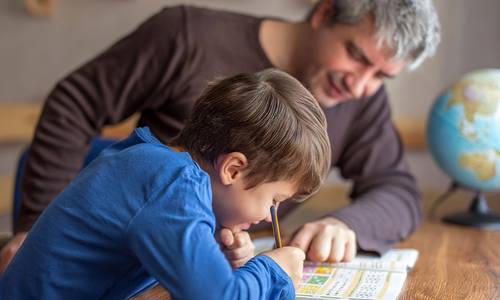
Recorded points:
(226,237)
(238,263)
(240,252)
(241,238)
(299,254)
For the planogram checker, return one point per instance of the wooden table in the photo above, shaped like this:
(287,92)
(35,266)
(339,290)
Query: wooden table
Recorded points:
(455,262)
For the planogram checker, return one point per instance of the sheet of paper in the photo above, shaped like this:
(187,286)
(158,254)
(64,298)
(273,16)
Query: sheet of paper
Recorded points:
(366,277)
(320,282)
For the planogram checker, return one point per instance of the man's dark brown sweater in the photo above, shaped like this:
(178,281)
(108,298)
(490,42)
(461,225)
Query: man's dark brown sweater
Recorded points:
(161,68)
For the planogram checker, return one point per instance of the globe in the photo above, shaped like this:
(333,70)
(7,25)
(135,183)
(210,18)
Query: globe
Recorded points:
(463,130)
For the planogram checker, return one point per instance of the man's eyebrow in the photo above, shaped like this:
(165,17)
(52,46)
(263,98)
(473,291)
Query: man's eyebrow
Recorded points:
(358,52)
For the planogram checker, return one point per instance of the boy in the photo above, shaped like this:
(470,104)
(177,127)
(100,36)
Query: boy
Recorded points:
(144,211)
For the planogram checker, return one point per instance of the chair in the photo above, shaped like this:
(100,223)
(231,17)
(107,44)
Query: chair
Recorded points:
(96,146)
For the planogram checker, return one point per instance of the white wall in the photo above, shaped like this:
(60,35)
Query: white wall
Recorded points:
(470,40)
(36,52)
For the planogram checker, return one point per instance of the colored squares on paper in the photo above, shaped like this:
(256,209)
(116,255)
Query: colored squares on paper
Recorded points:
(324,270)
(318,280)
(307,289)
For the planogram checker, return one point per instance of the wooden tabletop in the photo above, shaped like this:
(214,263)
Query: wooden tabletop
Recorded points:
(455,262)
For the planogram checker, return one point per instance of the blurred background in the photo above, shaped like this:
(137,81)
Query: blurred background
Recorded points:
(39,45)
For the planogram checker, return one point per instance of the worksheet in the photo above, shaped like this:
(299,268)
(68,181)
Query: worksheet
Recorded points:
(366,277)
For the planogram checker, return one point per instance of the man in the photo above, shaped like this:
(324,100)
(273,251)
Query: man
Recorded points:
(342,53)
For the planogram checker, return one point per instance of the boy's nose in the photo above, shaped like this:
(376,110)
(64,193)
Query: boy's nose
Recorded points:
(268,218)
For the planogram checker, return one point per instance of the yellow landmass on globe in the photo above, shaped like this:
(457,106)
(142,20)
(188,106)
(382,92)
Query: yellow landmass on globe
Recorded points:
(467,133)
(477,97)
(481,164)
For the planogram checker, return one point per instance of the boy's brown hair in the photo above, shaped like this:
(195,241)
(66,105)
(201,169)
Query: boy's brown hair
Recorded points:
(270,118)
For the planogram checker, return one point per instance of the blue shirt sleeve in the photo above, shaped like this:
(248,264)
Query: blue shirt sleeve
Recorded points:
(173,237)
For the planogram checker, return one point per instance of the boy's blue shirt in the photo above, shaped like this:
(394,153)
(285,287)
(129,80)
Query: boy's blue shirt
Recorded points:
(140,212)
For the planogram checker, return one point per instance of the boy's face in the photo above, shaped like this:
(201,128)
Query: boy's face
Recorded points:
(236,207)
(240,207)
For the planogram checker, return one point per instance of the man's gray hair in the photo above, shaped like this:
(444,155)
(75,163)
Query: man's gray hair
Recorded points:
(409,27)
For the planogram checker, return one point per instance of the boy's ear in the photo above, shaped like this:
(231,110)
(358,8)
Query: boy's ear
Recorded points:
(230,167)
(321,14)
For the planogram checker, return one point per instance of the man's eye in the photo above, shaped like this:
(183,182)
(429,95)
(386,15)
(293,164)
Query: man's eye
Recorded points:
(382,76)
(354,53)
(356,56)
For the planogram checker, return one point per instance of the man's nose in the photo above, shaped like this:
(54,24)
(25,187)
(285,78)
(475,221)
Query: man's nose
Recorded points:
(358,84)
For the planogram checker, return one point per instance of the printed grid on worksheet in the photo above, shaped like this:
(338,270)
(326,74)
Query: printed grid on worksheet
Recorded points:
(329,282)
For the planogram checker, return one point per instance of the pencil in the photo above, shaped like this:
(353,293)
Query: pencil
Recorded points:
(276,227)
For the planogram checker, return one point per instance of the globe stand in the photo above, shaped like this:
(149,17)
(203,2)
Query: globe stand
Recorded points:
(479,215)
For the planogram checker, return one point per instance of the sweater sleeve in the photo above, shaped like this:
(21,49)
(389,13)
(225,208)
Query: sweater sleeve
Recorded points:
(386,204)
(134,74)
(173,238)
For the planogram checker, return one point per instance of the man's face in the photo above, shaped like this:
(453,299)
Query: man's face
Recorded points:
(344,63)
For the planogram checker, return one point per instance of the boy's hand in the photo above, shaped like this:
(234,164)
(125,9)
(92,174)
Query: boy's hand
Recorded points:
(327,239)
(291,260)
(237,246)
(10,249)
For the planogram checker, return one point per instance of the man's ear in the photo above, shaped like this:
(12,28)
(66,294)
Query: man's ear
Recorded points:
(322,13)
(230,167)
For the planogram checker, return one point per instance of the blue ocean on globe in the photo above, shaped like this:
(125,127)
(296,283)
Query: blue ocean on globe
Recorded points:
(463,130)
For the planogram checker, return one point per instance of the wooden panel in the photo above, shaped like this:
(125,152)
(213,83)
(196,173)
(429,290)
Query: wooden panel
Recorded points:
(6,190)
(412,132)
(17,122)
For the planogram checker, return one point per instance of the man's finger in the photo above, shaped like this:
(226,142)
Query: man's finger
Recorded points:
(5,257)
(350,247)
(321,245)
(11,249)
(337,251)
(302,238)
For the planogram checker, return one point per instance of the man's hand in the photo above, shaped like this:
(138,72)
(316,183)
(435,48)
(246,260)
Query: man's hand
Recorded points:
(237,246)
(10,249)
(327,239)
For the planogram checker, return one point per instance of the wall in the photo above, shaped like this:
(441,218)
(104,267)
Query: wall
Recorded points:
(36,52)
